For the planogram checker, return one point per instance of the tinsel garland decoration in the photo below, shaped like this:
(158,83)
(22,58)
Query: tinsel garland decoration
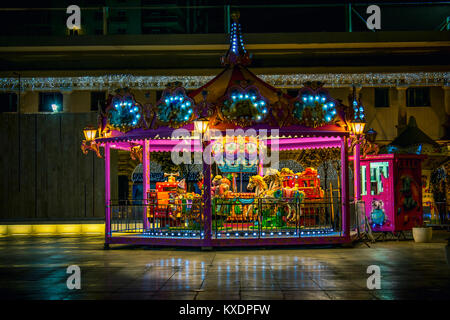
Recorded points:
(110,82)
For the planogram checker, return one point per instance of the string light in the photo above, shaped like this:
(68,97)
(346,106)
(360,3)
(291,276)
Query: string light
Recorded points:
(112,82)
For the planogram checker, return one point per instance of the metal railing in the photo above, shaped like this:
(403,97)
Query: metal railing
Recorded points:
(231,218)
(171,218)
(269,217)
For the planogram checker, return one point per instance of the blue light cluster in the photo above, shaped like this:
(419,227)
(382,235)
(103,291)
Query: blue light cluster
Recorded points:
(125,112)
(253,99)
(311,101)
(175,107)
(175,234)
(358,110)
(268,234)
(236,38)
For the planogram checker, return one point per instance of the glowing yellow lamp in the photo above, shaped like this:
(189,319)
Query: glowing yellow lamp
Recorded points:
(357,127)
(201,125)
(89,133)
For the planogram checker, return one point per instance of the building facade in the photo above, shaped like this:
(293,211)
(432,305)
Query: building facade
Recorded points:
(53,83)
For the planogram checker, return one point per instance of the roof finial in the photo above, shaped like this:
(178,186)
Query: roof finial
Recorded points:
(236,54)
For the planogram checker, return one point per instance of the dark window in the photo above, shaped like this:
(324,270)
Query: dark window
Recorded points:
(123,187)
(98,98)
(50,100)
(158,95)
(418,97)
(381,97)
(8,102)
(98,15)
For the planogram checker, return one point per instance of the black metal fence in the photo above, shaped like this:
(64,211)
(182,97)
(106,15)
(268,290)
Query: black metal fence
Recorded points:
(270,217)
(172,218)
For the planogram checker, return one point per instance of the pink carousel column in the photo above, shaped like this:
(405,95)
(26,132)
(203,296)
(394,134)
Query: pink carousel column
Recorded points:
(357,171)
(344,188)
(107,191)
(207,190)
(261,164)
(145,180)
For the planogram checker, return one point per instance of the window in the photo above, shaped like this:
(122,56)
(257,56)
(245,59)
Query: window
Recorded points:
(98,98)
(8,102)
(377,170)
(50,101)
(381,97)
(418,97)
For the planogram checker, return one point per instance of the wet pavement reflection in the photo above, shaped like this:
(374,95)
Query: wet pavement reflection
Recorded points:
(35,268)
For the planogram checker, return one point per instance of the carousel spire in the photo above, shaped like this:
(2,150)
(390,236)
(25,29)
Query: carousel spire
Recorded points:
(236,54)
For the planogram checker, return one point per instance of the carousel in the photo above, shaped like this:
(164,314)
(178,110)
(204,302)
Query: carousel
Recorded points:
(235,126)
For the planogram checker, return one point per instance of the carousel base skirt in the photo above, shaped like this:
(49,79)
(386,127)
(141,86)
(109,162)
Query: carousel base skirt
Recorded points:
(236,241)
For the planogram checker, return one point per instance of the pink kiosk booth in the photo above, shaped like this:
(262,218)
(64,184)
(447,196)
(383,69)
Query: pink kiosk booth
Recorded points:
(392,192)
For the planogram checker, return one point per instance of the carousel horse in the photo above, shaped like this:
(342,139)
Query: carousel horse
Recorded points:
(283,195)
(220,186)
(220,189)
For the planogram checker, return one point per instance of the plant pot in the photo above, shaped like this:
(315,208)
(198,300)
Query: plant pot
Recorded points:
(422,234)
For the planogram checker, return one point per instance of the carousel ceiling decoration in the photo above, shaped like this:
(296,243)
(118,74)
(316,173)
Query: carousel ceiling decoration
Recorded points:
(158,82)
(175,108)
(314,107)
(236,153)
(124,113)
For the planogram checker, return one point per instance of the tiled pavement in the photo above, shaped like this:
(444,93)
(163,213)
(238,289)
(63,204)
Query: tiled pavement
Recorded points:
(35,268)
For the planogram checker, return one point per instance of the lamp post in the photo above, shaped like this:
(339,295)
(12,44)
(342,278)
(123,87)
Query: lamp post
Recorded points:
(357,129)
(201,127)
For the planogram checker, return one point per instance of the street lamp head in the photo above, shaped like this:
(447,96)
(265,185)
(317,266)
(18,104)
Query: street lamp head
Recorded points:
(357,127)
(201,125)
(89,133)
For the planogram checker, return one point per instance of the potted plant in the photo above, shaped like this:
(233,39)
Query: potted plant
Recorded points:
(422,233)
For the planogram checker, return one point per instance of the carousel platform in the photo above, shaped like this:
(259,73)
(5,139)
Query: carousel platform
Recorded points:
(229,239)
